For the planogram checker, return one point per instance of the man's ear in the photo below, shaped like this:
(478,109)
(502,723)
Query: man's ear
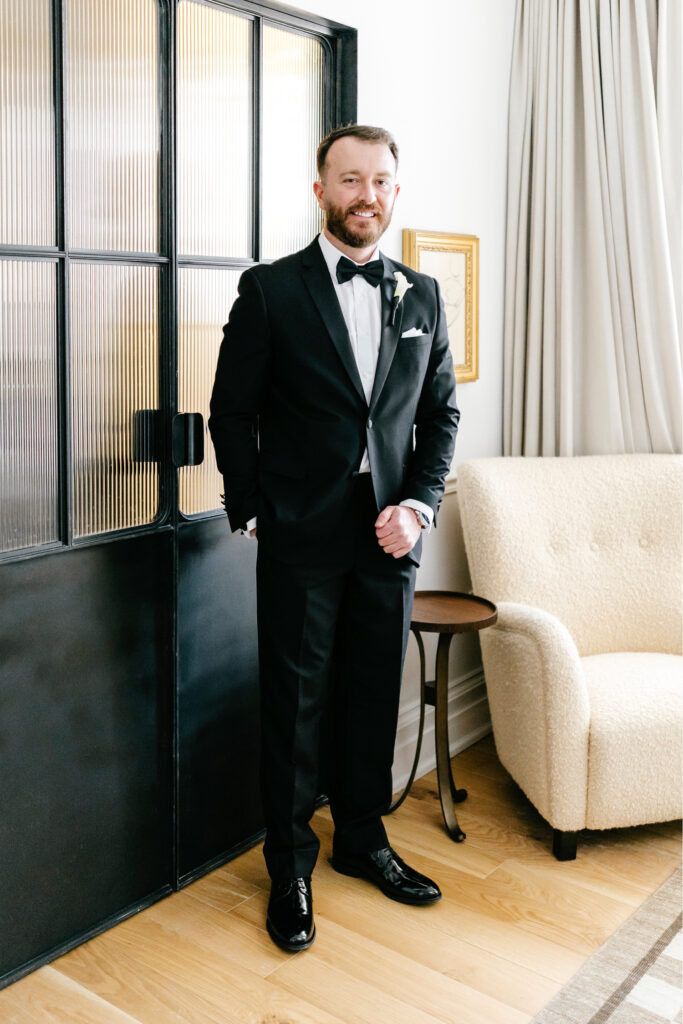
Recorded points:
(318,190)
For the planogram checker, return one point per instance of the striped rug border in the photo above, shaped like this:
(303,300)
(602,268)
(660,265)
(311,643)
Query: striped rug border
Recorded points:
(593,995)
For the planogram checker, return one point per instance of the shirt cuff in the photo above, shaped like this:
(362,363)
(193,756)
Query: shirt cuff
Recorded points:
(421,507)
(249,530)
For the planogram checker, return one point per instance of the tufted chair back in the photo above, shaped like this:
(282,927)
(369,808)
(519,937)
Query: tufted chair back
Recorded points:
(595,540)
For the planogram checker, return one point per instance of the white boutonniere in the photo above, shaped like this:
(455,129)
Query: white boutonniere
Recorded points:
(402,286)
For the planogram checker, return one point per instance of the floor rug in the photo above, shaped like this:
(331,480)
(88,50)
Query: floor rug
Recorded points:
(636,977)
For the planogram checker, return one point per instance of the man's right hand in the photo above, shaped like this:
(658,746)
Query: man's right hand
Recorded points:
(397,530)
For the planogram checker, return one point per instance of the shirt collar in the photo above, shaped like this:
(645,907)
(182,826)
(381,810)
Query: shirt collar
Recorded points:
(332,254)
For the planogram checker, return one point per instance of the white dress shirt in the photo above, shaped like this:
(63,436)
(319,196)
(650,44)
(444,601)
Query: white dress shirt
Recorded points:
(361,306)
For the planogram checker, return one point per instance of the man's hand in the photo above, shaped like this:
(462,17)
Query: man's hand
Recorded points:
(397,530)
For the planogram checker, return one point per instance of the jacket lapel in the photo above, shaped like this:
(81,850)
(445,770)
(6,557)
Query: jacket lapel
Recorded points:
(317,280)
(390,333)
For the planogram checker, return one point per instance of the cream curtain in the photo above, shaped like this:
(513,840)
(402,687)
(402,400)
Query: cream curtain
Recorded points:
(594,262)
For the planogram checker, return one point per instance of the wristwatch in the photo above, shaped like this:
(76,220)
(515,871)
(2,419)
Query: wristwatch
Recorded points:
(422,518)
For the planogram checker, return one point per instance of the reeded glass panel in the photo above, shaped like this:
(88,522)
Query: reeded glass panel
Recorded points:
(214,131)
(27,158)
(114,381)
(28,405)
(292,129)
(113,124)
(204,301)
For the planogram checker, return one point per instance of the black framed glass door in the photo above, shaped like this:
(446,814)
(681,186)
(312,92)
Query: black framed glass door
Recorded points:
(141,152)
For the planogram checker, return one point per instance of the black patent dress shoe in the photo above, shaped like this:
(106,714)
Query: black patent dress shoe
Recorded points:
(290,914)
(389,873)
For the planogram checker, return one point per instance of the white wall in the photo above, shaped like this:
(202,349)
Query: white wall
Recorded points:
(436,73)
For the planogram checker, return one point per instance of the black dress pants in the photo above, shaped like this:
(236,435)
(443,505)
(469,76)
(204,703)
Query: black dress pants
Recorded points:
(332,639)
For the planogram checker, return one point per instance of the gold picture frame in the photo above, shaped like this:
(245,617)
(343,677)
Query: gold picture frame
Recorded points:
(454,261)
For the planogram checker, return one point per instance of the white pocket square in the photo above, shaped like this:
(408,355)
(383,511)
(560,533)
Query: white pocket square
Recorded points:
(414,332)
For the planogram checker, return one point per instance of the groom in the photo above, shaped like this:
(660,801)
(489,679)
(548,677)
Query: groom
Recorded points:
(333,417)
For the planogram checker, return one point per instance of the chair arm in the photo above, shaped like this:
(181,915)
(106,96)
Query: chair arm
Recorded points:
(539,710)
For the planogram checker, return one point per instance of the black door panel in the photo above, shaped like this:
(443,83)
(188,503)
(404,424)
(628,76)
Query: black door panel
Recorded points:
(219,805)
(85,702)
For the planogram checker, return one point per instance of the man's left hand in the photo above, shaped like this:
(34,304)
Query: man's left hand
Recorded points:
(397,530)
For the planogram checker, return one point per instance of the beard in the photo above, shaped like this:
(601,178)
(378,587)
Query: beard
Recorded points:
(338,223)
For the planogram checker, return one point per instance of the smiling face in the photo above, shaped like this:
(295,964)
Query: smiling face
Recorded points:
(357,192)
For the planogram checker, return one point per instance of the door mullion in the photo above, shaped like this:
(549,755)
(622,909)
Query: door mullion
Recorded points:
(59,36)
(168,291)
(257,117)
(168,351)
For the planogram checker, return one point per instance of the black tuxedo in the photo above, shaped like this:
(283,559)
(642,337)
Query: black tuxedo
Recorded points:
(290,422)
(289,419)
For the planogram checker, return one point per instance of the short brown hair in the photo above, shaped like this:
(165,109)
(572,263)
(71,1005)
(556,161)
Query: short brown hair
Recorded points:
(365,132)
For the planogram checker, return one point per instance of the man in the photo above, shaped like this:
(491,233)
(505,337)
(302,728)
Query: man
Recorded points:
(333,416)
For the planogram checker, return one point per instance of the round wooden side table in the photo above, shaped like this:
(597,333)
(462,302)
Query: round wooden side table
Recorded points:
(444,612)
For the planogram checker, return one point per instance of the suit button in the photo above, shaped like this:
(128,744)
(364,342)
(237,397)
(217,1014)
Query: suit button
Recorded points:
(369,424)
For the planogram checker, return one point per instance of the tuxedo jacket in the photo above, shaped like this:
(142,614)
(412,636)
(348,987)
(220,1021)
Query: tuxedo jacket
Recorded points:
(289,419)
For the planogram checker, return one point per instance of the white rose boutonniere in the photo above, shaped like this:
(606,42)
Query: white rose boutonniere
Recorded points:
(402,286)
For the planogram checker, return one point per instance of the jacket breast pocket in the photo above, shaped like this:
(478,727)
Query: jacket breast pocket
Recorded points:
(415,341)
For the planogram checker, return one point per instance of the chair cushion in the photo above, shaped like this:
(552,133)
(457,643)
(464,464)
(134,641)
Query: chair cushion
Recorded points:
(636,738)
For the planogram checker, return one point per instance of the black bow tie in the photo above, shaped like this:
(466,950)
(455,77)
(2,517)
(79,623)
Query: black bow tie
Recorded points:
(372,272)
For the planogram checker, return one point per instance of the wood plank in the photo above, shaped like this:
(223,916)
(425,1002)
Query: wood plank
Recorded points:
(221,889)
(620,872)
(409,833)
(11,1010)
(146,994)
(512,894)
(665,836)
(356,1001)
(506,894)
(241,940)
(435,933)
(504,825)
(424,989)
(49,997)
(250,867)
(204,985)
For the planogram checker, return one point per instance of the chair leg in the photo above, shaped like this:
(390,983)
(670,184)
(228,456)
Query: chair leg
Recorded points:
(564,844)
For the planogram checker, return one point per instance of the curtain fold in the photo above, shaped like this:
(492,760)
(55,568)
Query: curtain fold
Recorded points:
(594,261)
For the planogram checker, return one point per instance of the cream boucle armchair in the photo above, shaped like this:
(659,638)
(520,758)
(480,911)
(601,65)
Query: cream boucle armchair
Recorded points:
(583,557)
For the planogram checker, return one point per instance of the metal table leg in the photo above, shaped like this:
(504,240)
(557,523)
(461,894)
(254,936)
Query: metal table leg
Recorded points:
(436,693)
(447,790)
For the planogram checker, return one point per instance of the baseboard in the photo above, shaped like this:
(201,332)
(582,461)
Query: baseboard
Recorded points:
(469,720)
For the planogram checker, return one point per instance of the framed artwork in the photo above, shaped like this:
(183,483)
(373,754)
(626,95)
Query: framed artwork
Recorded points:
(454,261)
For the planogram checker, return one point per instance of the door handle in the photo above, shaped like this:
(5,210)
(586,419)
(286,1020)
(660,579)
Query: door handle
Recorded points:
(187,439)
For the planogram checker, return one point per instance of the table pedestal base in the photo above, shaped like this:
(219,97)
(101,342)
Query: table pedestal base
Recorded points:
(435,693)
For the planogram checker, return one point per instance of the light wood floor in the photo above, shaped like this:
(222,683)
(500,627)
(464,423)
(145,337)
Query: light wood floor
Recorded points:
(513,926)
